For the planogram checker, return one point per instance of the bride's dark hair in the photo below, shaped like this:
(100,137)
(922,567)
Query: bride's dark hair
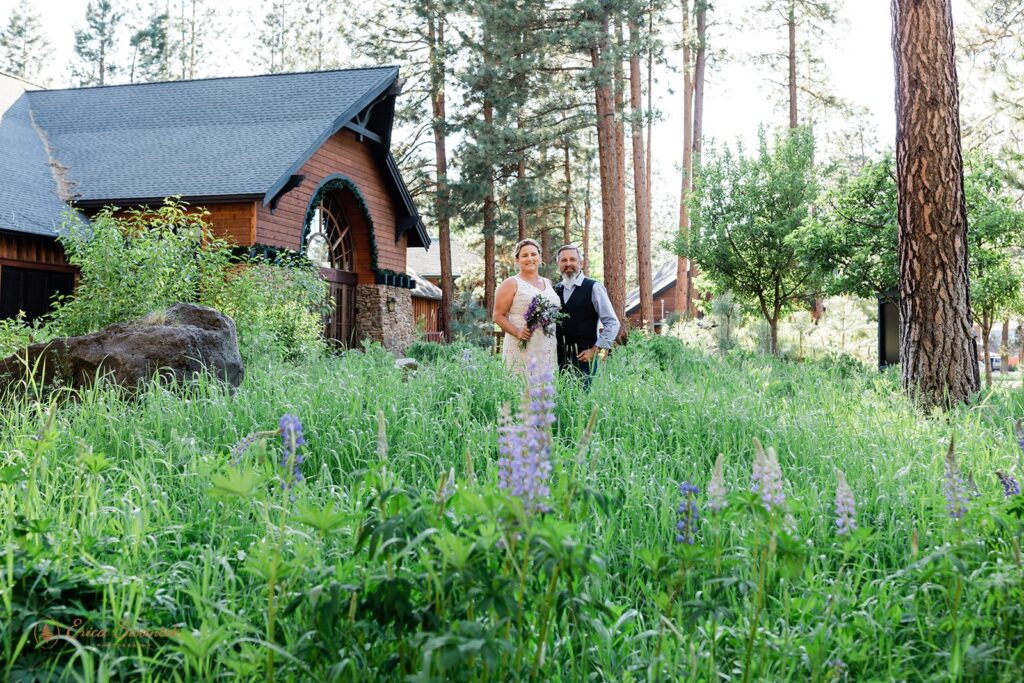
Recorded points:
(522,243)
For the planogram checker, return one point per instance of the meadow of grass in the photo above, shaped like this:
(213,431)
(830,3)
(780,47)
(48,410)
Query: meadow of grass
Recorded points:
(136,545)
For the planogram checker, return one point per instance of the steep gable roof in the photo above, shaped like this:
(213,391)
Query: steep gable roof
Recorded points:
(199,138)
(29,198)
(663,278)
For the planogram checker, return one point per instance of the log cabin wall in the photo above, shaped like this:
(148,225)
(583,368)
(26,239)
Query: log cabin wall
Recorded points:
(666,298)
(32,252)
(342,153)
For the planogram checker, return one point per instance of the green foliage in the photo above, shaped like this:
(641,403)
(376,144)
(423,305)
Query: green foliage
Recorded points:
(855,236)
(137,262)
(141,261)
(746,212)
(24,48)
(470,322)
(15,334)
(278,308)
(854,233)
(96,44)
(399,559)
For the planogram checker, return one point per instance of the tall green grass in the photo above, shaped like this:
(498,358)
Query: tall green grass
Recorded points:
(111,518)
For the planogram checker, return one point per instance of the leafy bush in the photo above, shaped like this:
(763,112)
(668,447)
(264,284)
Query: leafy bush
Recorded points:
(278,308)
(135,262)
(139,261)
(15,333)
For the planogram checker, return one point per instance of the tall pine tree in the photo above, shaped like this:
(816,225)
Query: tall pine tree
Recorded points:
(96,45)
(24,49)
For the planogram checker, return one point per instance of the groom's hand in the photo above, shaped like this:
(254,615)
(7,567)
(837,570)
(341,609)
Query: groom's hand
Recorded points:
(587,355)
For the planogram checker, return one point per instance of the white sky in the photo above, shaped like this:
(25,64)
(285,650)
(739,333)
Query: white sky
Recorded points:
(738,96)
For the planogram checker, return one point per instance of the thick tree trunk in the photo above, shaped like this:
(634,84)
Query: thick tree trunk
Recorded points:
(607,145)
(587,214)
(435,34)
(682,304)
(643,218)
(567,209)
(773,336)
(791,24)
(1004,348)
(699,62)
(521,177)
(650,109)
(937,347)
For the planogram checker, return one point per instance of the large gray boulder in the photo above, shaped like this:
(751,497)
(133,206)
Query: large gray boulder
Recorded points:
(179,343)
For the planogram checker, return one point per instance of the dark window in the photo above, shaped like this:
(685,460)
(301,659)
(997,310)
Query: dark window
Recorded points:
(31,290)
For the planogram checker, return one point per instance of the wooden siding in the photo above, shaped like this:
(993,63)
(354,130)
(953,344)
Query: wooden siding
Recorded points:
(234,222)
(666,298)
(425,313)
(344,154)
(18,250)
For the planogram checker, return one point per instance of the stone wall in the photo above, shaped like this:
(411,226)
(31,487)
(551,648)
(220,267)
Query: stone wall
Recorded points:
(373,320)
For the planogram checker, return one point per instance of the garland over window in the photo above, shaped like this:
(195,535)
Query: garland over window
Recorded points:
(382,276)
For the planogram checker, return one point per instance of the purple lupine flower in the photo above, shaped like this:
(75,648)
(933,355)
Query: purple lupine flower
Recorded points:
(524,468)
(846,508)
(766,478)
(689,514)
(240,448)
(290,429)
(1011,487)
(953,486)
(716,487)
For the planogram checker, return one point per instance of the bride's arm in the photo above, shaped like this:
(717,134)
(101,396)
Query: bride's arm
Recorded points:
(502,304)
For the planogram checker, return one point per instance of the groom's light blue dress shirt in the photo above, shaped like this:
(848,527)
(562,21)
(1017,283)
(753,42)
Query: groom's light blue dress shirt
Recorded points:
(603,305)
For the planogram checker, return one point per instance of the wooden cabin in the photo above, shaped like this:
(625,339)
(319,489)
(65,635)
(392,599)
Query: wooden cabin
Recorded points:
(298,162)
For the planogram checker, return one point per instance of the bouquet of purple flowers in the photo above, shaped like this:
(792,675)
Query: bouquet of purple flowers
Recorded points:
(541,314)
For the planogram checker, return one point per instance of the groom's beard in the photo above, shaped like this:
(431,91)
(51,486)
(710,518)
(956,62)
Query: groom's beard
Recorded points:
(568,278)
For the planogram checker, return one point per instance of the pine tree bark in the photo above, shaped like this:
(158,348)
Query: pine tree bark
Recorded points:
(435,37)
(699,62)
(607,144)
(521,177)
(643,217)
(567,209)
(682,303)
(791,24)
(937,347)
(490,279)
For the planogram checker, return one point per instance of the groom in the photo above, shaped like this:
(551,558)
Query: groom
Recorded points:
(586,302)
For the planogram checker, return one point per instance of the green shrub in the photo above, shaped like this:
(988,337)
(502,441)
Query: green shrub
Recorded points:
(278,308)
(135,262)
(15,334)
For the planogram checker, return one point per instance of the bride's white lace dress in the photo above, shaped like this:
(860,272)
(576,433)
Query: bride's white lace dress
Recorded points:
(542,348)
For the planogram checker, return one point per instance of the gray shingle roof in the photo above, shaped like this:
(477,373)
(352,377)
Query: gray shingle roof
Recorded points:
(424,288)
(663,278)
(29,202)
(428,263)
(218,136)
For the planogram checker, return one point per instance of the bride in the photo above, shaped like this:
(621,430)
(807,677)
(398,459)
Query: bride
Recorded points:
(510,304)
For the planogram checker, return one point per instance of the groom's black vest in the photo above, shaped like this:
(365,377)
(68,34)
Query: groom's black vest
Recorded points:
(577,332)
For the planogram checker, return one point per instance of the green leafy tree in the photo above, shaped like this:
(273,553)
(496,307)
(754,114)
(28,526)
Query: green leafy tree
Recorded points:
(854,237)
(24,49)
(96,43)
(746,212)
(853,233)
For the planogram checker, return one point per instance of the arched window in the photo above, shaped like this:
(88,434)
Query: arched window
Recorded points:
(329,241)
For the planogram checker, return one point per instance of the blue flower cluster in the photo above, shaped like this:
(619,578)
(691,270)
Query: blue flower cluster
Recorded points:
(689,514)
